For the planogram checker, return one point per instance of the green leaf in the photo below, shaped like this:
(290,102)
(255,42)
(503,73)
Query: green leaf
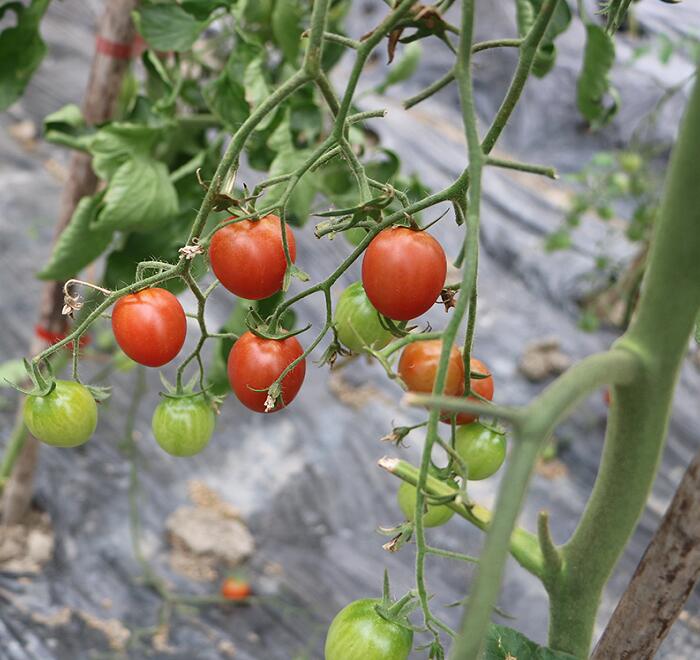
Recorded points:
(256,89)
(287,27)
(525,16)
(503,643)
(547,52)
(140,197)
(79,243)
(201,9)
(287,160)
(21,49)
(226,95)
(558,240)
(403,68)
(12,371)
(167,26)
(68,128)
(596,99)
(119,142)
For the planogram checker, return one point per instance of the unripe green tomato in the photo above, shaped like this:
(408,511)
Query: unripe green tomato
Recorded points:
(620,183)
(482,449)
(436,514)
(66,417)
(359,632)
(357,321)
(631,162)
(184,425)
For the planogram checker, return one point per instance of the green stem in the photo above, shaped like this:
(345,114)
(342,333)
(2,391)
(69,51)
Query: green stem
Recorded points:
(639,412)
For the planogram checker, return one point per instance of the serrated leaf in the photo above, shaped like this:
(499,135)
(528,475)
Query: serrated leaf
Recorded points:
(167,26)
(79,243)
(140,197)
(503,643)
(68,128)
(118,142)
(21,49)
(403,68)
(287,28)
(12,372)
(596,99)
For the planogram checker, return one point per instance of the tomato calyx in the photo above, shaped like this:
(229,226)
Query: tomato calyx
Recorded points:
(334,351)
(401,535)
(396,612)
(263,329)
(293,271)
(188,391)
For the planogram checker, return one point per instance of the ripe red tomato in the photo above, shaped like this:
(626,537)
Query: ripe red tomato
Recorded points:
(247,257)
(481,386)
(403,272)
(419,363)
(235,589)
(149,326)
(255,363)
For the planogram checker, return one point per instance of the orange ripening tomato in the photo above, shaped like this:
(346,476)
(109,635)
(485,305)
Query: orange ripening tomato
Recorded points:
(403,272)
(247,257)
(235,589)
(255,363)
(481,386)
(419,364)
(150,326)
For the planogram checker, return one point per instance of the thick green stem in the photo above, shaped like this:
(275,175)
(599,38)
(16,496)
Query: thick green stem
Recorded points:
(640,409)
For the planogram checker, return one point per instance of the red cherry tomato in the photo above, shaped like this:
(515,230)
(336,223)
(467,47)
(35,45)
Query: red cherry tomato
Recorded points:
(419,363)
(247,257)
(235,589)
(255,363)
(149,326)
(403,272)
(481,386)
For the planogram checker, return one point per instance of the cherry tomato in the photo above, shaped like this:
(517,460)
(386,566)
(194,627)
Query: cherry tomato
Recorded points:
(481,386)
(149,326)
(247,257)
(255,363)
(235,589)
(66,417)
(357,322)
(183,425)
(482,449)
(419,363)
(359,632)
(435,514)
(403,272)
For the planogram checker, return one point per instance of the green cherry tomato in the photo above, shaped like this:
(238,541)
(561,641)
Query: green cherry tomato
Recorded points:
(359,632)
(482,449)
(631,162)
(66,417)
(357,321)
(183,425)
(436,514)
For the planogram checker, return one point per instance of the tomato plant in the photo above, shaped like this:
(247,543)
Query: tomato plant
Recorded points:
(254,364)
(187,121)
(481,448)
(235,589)
(435,514)
(248,258)
(419,363)
(360,632)
(150,326)
(183,425)
(65,417)
(403,272)
(357,322)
